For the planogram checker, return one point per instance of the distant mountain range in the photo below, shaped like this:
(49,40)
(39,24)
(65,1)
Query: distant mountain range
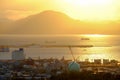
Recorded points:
(52,22)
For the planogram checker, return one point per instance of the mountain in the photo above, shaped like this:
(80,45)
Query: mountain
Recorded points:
(47,22)
(52,22)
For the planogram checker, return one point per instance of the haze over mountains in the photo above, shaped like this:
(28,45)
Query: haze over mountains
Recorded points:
(52,22)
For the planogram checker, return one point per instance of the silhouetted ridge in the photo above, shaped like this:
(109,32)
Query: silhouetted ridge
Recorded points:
(47,22)
(53,22)
(54,14)
(49,16)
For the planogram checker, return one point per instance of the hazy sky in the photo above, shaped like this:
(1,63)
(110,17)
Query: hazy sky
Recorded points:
(79,9)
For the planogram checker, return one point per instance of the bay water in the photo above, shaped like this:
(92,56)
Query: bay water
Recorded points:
(104,46)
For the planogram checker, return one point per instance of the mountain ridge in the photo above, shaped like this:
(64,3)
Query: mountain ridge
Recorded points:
(53,22)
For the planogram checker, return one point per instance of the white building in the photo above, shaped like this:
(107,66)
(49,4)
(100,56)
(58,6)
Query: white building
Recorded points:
(18,54)
(4,53)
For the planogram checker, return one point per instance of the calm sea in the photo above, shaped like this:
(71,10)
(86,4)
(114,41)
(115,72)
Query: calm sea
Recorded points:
(104,46)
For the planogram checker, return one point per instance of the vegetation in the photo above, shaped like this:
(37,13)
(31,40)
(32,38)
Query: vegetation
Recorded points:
(86,75)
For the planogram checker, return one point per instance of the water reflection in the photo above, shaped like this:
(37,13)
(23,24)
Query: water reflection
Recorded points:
(105,46)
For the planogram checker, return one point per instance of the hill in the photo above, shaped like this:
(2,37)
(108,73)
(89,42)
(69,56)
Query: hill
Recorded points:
(52,22)
(47,22)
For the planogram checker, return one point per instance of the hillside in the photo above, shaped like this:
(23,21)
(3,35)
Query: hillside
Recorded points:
(52,22)
(43,23)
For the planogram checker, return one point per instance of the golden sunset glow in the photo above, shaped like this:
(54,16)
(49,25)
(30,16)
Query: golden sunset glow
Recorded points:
(57,37)
(93,9)
(78,16)
(87,10)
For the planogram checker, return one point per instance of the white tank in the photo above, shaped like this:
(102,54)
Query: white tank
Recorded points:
(73,66)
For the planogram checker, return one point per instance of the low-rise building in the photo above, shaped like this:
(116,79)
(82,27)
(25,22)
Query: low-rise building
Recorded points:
(18,54)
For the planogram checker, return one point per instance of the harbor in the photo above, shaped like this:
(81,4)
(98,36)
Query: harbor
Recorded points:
(54,69)
(20,68)
(23,59)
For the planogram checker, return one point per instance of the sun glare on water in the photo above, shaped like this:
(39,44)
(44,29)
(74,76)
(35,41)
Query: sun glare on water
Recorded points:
(98,56)
(91,57)
(95,35)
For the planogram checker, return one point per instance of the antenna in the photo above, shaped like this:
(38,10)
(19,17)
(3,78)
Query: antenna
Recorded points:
(73,66)
(71,52)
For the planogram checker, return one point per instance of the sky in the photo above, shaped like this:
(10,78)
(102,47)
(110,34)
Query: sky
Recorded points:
(86,10)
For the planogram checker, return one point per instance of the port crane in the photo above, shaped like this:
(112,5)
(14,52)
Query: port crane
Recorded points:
(70,66)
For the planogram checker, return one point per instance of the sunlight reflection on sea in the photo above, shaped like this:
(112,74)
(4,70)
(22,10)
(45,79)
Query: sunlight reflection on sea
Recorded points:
(105,46)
